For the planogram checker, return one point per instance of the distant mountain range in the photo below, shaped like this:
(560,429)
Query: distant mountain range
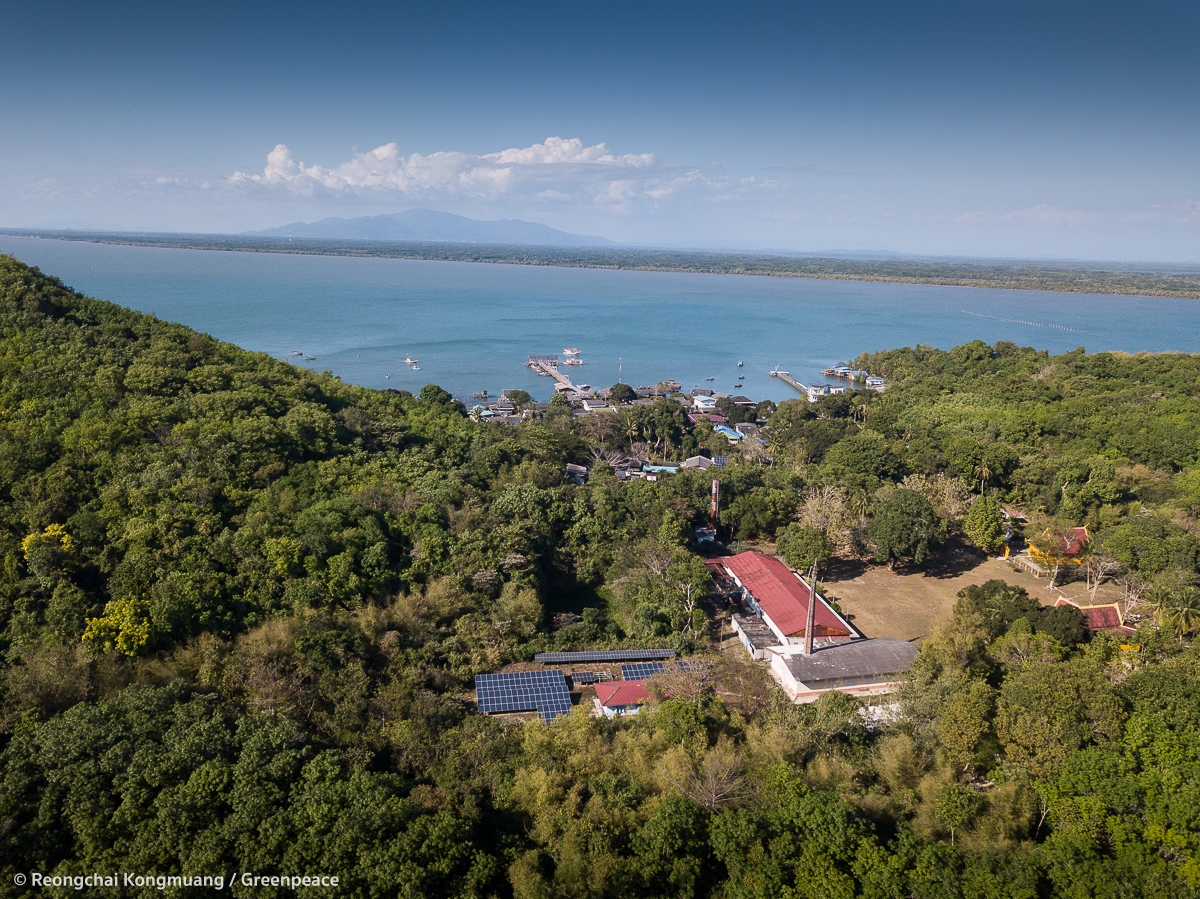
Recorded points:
(429,225)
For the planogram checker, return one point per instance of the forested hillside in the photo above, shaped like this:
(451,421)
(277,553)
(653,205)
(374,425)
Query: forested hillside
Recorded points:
(242,605)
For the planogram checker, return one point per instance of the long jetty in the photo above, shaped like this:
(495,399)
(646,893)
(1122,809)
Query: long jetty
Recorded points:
(548,366)
(788,379)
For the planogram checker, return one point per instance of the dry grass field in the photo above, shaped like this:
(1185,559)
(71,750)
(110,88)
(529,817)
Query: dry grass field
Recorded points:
(909,604)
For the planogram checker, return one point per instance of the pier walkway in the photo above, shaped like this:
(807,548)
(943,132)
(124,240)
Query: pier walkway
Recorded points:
(548,367)
(789,380)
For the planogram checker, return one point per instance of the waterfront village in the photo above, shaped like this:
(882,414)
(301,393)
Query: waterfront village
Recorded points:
(779,617)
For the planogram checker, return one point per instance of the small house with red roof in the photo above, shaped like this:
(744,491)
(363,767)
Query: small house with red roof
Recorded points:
(779,596)
(1104,618)
(620,697)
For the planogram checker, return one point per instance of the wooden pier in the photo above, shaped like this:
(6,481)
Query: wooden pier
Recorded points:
(547,366)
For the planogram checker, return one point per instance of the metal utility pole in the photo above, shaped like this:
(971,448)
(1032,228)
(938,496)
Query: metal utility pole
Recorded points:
(715,509)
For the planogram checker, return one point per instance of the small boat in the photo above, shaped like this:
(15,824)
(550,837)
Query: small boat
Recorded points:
(387,377)
(295,353)
(409,360)
(710,379)
(416,368)
(570,351)
(310,358)
(739,363)
(572,361)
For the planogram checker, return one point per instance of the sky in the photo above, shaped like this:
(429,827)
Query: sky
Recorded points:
(1048,130)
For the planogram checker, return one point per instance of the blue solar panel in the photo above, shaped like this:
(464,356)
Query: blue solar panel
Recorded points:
(580,678)
(720,462)
(523,691)
(603,655)
(643,670)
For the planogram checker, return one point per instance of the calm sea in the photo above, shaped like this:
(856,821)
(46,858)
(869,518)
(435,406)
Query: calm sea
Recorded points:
(473,326)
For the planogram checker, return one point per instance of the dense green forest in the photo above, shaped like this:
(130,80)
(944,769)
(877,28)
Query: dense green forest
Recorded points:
(1114,278)
(242,604)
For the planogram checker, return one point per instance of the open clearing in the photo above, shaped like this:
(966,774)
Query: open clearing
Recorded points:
(909,604)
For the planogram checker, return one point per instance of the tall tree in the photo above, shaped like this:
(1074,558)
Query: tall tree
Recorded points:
(984,524)
(905,528)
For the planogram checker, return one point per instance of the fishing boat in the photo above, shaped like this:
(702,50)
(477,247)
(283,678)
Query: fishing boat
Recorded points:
(416,368)
(570,351)
(409,360)
(310,358)
(710,379)
(295,353)
(572,361)
(739,363)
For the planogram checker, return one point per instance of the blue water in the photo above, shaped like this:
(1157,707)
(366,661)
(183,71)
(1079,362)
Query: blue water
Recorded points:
(473,326)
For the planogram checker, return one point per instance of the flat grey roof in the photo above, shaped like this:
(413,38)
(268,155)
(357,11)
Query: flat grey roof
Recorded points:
(756,631)
(860,661)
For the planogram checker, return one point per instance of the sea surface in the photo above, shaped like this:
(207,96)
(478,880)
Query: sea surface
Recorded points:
(473,326)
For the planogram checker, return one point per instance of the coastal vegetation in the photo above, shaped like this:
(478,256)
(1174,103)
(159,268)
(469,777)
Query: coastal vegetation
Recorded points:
(242,603)
(1113,278)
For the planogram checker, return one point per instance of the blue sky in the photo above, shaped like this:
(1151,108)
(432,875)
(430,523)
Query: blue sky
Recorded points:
(1048,130)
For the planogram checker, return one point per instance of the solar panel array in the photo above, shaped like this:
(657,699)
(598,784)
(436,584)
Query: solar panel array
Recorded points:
(580,678)
(523,691)
(603,655)
(720,462)
(643,670)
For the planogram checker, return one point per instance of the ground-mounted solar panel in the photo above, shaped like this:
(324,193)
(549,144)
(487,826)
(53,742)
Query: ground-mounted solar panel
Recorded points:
(644,670)
(641,670)
(582,678)
(524,691)
(603,655)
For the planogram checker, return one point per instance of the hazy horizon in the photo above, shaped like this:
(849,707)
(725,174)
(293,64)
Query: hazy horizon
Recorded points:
(1017,132)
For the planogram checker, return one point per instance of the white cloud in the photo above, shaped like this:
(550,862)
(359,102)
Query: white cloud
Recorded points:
(556,168)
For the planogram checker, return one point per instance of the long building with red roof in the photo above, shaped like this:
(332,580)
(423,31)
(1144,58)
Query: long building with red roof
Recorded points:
(780,597)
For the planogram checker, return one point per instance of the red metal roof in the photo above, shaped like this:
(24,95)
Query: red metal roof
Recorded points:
(782,595)
(1100,618)
(622,693)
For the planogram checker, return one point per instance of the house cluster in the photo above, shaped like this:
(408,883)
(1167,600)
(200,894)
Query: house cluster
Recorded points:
(772,624)
(630,469)
(842,370)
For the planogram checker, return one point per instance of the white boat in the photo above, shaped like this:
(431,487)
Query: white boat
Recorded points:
(571,351)
(572,362)
(295,353)
(416,368)
(739,363)
(409,360)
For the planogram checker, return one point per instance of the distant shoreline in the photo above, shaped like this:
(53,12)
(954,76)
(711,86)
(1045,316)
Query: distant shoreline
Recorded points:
(1060,277)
